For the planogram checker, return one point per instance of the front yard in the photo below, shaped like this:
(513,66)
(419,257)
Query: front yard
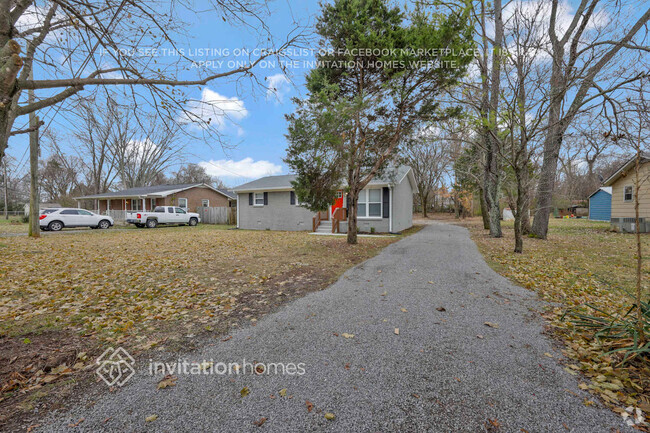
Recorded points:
(581,262)
(64,297)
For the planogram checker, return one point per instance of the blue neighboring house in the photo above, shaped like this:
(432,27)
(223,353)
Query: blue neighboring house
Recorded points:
(600,204)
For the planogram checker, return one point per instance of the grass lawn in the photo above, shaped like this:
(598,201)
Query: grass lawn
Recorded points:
(581,262)
(12,225)
(62,295)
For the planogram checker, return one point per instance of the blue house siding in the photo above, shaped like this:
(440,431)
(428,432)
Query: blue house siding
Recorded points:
(600,206)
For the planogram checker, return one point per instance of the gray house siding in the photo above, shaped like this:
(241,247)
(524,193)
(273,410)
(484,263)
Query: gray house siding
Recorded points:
(278,214)
(402,205)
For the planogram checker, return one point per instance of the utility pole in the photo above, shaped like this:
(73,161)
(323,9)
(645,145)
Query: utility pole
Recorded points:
(34,201)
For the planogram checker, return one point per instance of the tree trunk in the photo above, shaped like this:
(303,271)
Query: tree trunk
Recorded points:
(484,210)
(639,258)
(519,210)
(353,197)
(34,229)
(5,190)
(423,202)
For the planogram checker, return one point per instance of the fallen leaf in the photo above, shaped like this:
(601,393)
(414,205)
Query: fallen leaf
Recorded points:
(167,381)
(76,424)
(548,355)
(480,336)
(329,416)
(346,335)
(244,391)
(261,422)
(491,324)
(396,331)
(151,418)
(404,310)
(430,282)
(441,309)
(309,405)
(283,392)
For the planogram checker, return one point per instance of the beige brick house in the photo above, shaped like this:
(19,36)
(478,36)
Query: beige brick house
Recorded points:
(623,192)
(189,196)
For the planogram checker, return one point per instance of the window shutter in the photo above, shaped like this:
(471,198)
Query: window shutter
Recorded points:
(250,199)
(266,198)
(386,202)
(292,199)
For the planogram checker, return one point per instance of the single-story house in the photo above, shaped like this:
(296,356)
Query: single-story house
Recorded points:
(600,204)
(384,206)
(190,196)
(41,206)
(623,191)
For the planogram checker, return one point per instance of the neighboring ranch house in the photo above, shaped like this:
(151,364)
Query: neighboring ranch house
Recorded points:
(600,204)
(189,196)
(270,203)
(623,191)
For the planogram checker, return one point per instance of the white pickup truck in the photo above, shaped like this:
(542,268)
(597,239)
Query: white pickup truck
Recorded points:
(162,215)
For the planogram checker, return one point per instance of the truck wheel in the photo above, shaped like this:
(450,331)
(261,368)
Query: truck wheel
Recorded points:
(193,222)
(55,226)
(104,224)
(151,224)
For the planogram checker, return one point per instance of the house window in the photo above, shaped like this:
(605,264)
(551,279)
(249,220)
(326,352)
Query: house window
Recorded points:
(258,199)
(182,202)
(339,194)
(369,203)
(628,193)
(205,203)
(136,204)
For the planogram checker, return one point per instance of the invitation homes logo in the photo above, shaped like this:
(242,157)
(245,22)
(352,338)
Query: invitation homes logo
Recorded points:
(117,366)
(211,367)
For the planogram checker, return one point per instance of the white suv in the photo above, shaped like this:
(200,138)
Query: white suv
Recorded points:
(56,219)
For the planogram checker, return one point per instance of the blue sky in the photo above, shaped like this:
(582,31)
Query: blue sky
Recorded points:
(254,126)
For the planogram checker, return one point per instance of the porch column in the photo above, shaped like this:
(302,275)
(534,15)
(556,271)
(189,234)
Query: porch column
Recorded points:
(108,205)
(144,204)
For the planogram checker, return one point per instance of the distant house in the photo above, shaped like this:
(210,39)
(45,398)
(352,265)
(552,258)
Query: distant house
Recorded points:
(270,203)
(190,196)
(600,204)
(623,191)
(41,206)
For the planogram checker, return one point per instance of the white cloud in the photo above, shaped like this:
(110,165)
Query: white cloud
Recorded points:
(246,168)
(278,87)
(221,112)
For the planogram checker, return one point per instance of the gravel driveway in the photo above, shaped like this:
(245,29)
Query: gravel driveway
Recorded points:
(445,371)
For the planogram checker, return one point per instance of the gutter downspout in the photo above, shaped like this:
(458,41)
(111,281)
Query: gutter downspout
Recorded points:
(390,209)
(237,210)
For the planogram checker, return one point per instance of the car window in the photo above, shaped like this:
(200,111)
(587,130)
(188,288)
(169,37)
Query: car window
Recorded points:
(170,209)
(179,210)
(46,211)
(159,209)
(70,212)
(84,212)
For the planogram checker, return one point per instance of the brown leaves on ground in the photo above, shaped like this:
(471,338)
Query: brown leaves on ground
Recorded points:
(581,262)
(137,288)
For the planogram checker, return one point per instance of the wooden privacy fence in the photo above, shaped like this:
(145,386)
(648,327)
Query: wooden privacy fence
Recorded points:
(217,215)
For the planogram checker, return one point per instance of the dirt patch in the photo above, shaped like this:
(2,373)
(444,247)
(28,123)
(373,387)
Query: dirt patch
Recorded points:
(34,369)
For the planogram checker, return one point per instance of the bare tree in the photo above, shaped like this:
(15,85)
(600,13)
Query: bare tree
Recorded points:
(144,151)
(427,153)
(194,173)
(94,135)
(105,43)
(59,177)
(581,51)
